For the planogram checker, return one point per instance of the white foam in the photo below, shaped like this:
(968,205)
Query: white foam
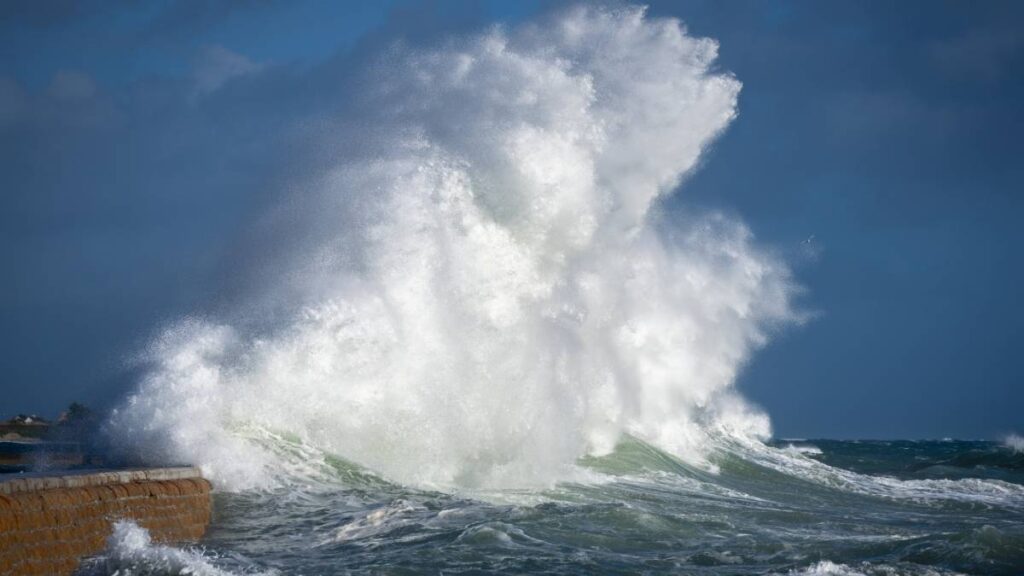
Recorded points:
(984,492)
(807,449)
(131,552)
(484,295)
(829,568)
(1014,442)
(378,521)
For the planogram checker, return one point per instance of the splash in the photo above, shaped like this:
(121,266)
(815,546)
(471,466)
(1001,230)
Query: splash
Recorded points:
(829,568)
(806,449)
(1014,442)
(483,293)
(131,552)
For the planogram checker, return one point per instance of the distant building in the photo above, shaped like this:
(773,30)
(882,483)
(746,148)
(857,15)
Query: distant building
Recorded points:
(29,441)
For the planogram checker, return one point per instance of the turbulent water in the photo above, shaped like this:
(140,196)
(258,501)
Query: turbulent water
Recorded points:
(477,345)
(819,507)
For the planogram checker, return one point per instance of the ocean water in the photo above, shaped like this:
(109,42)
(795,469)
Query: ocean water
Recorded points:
(476,339)
(808,507)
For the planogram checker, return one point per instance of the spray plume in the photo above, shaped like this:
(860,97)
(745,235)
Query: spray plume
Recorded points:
(483,295)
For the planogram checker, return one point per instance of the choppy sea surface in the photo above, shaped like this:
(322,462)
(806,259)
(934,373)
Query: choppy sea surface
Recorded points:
(786,507)
(474,282)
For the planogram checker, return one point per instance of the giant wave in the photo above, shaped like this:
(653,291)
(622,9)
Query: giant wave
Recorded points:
(484,294)
(476,344)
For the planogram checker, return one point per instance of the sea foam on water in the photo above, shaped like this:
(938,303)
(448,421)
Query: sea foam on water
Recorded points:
(481,295)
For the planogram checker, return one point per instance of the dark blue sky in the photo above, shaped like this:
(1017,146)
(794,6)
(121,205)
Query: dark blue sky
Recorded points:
(139,143)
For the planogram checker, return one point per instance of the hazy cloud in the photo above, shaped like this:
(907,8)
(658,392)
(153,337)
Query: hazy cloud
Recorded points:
(71,85)
(216,65)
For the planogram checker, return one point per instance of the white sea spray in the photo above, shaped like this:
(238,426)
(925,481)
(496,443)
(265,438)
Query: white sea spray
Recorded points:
(484,295)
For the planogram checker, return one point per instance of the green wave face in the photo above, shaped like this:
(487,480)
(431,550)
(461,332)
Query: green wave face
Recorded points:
(751,508)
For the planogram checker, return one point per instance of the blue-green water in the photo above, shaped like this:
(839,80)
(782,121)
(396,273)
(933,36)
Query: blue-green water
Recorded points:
(790,507)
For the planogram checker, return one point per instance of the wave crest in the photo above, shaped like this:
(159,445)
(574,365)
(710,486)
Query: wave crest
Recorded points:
(484,296)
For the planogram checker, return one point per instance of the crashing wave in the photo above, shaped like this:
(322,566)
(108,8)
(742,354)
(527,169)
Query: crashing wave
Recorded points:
(131,552)
(1015,443)
(485,294)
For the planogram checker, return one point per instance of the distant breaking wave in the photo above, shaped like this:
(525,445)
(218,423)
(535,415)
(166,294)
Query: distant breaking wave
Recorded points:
(1015,443)
(479,295)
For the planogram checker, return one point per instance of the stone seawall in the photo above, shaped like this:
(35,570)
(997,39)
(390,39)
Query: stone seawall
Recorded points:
(49,523)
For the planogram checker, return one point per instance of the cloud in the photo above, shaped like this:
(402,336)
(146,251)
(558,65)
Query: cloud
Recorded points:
(69,85)
(216,65)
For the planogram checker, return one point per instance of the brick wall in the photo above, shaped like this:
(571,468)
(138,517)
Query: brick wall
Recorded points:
(48,524)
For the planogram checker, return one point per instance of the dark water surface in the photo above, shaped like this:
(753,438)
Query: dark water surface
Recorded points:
(792,507)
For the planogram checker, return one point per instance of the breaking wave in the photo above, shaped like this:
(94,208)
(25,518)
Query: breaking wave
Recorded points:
(476,344)
(131,552)
(484,293)
(1014,443)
